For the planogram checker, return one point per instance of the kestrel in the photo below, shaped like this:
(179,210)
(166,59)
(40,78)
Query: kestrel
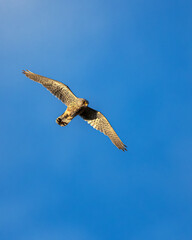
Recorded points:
(77,106)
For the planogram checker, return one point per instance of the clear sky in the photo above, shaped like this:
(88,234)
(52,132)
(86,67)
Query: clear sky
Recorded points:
(132,59)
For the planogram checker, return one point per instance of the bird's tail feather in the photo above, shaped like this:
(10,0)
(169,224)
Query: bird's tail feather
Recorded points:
(63,120)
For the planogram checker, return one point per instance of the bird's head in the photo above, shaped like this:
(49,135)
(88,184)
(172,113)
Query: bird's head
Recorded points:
(83,102)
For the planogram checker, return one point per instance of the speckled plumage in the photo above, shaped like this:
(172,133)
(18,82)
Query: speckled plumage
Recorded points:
(77,106)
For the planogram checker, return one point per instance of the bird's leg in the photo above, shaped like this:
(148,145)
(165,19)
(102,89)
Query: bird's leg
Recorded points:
(64,119)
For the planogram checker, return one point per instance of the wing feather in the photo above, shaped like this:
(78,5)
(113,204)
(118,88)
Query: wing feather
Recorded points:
(60,90)
(98,121)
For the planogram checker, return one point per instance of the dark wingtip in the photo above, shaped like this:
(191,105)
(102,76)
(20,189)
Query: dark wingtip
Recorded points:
(25,71)
(123,148)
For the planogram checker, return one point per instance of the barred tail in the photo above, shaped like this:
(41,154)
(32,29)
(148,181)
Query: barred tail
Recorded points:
(63,120)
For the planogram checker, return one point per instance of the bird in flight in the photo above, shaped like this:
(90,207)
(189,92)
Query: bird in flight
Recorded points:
(77,106)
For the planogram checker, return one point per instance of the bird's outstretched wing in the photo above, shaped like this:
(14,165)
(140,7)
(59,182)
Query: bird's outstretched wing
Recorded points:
(99,122)
(57,88)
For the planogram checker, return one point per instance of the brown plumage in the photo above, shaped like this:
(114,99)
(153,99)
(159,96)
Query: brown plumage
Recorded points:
(77,106)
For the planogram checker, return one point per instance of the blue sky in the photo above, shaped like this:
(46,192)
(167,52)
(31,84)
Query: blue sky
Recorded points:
(132,61)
